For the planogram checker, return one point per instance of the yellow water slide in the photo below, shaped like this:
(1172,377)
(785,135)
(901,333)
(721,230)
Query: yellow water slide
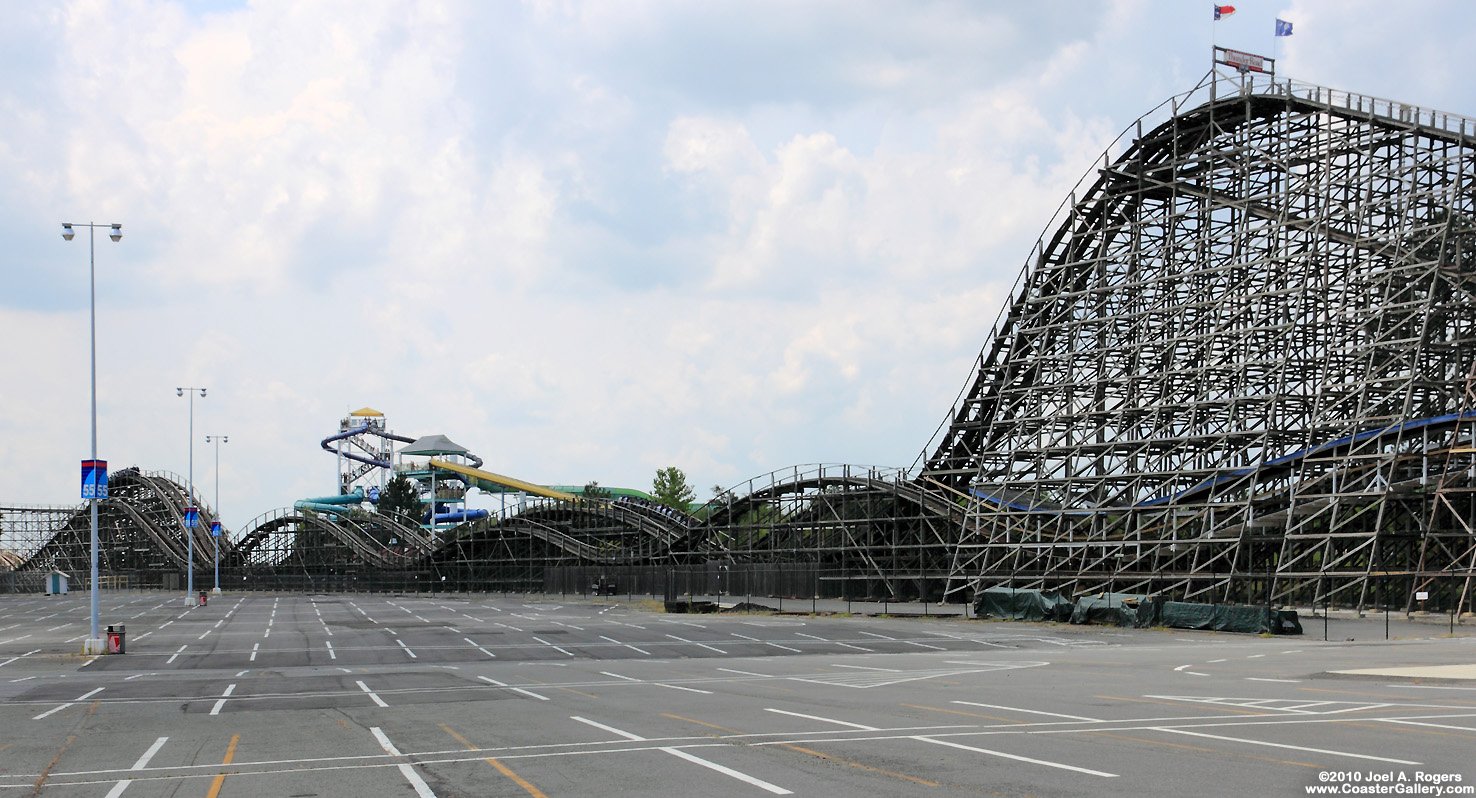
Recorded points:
(483,479)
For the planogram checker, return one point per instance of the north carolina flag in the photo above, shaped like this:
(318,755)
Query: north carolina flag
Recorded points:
(1283,28)
(1224,11)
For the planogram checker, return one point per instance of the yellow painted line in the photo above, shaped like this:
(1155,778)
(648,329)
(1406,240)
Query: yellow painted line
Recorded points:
(504,769)
(220,778)
(827,757)
(1206,750)
(701,723)
(1395,725)
(7,745)
(1182,705)
(566,689)
(961,712)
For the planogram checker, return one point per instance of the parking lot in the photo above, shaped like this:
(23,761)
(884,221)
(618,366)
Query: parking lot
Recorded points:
(354,695)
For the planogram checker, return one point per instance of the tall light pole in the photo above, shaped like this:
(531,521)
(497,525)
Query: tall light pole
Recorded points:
(189,530)
(217,440)
(115,232)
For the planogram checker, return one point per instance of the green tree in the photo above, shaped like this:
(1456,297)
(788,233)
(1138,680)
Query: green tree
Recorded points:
(721,495)
(401,497)
(671,489)
(592,490)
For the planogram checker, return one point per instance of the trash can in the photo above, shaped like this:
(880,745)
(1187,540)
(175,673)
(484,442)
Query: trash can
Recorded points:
(204,598)
(116,639)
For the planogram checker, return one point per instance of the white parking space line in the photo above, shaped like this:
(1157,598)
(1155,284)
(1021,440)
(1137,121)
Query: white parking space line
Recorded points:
(1017,757)
(618,676)
(528,693)
(551,645)
(384,740)
(473,644)
(223,696)
(695,643)
(745,673)
(1287,746)
(422,789)
(372,694)
(822,720)
(1435,725)
(679,687)
(627,645)
(254,647)
(1260,679)
(611,729)
(407,648)
(143,762)
(176,654)
(331,653)
(13,659)
(1031,711)
(786,648)
(874,634)
(727,771)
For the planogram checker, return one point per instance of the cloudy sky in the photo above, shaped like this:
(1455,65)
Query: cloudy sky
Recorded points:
(585,240)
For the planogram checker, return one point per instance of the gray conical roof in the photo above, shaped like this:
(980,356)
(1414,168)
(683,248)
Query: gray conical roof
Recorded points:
(434,444)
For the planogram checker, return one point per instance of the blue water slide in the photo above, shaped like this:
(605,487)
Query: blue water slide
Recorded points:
(332,505)
(359,458)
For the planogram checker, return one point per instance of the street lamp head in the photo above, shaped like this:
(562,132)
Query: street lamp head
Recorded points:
(67,232)
(225,439)
(116,233)
(179,392)
(202,391)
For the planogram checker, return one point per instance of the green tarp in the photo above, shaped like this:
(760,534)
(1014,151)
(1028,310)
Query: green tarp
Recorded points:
(1230,618)
(1021,605)
(1118,609)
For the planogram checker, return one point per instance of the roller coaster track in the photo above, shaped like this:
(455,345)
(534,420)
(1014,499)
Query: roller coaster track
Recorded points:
(278,536)
(153,506)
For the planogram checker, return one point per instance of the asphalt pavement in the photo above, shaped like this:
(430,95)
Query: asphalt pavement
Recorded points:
(492,695)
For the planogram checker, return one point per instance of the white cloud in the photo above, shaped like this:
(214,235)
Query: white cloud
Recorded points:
(584,239)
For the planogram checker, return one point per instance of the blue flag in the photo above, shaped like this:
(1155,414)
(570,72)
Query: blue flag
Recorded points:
(1283,28)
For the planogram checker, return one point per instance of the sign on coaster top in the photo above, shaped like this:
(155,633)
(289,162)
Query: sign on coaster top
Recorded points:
(1245,62)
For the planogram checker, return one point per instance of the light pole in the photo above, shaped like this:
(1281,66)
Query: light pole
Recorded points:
(217,440)
(115,232)
(189,530)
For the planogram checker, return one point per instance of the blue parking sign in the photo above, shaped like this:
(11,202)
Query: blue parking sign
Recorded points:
(192,517)
(215,529)
(94,479)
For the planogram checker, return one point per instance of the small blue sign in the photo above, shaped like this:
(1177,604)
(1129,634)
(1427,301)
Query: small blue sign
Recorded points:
(192,517)
(215,529)
(94,479)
